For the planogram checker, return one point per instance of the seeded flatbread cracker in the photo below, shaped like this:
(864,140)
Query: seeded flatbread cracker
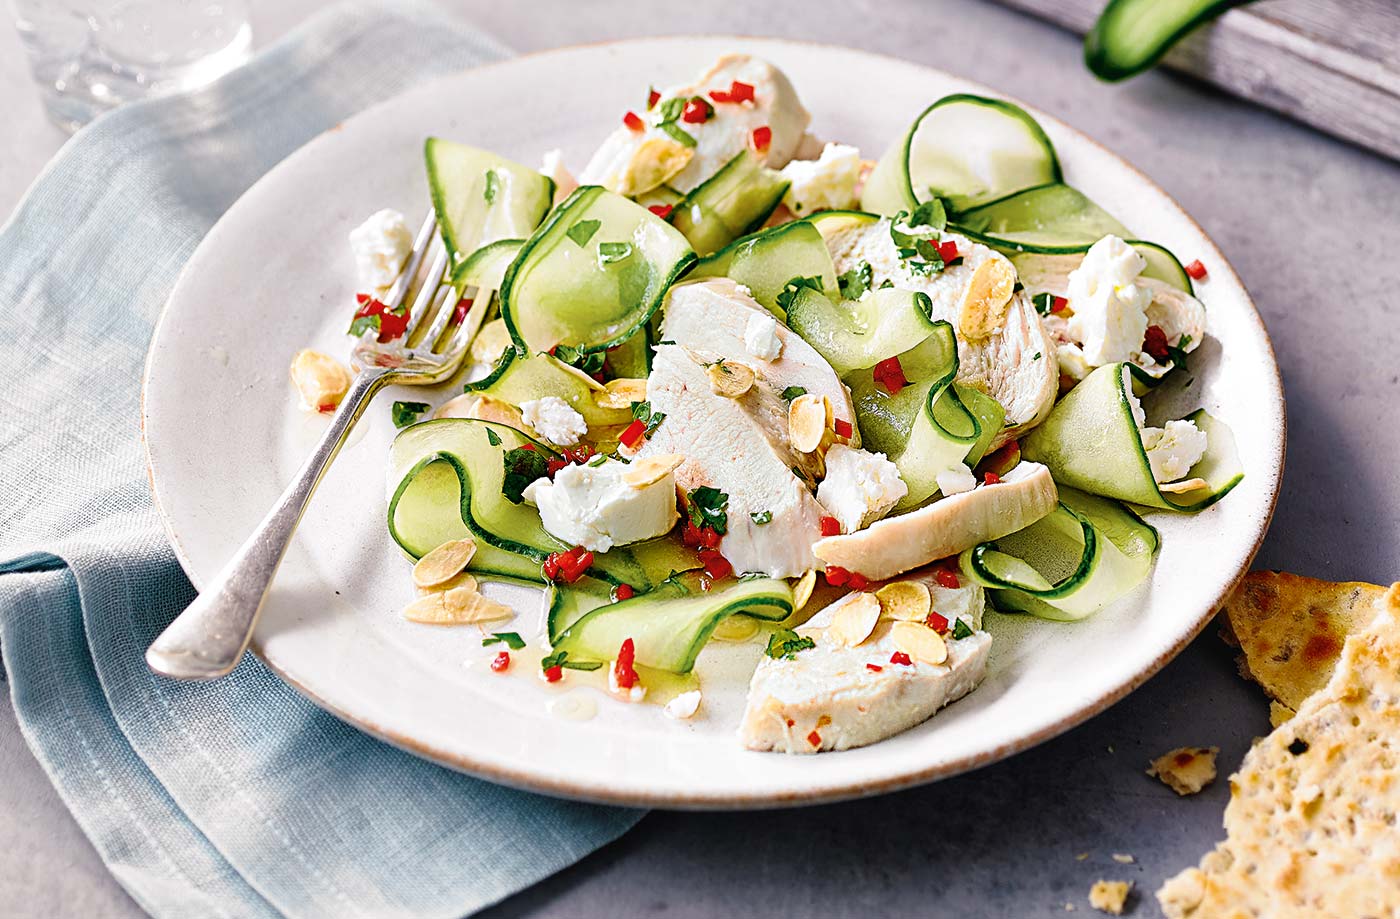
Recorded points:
(1312,820)
(1290,629)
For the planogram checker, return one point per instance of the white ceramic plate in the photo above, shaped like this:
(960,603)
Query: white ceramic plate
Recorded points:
(224,434)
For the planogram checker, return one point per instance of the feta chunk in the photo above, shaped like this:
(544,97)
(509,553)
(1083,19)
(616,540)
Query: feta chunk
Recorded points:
(381,245)
(1110,307)
(1171,450)
(761,337)
(826,183)
(955,481)
(683,706)
(595,507)
(554,420)
(860,487)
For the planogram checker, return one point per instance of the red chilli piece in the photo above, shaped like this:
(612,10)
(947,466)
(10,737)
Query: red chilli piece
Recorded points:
(1154,343)
(991,478)
(831,526)
(762,137)
(634,122)
(948,250)
(843,428)
(697,111)
(632,435)
(653,97)
(814,739)
(709,538)
(1058,305)
(624,670)
(460,311)
(661,210)
(837,576)
(936,622)
(737,92)
(889,373)
(1196,270)
(716,565)
(899,657)
(553,674)
(391,324)
(552,466)
(948,578)
(690,535)
(501,662)
(325,408)
(623,592)
(874,668)
(858,581)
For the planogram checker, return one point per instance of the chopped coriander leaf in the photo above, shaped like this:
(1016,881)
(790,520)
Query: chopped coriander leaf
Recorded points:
(493,438)
(653,423)
(752,576)
(582,665)
(677,134)
(1043,302)
(608,253)
(952,262)
(590,364)
(641,411)
(961,630)
(583,231)
(931,213)
(554,660)
(708,507)
(522,467)
(1037,356)
(785,644)
(886,283)
(793,286)
(856,282)
(792,392)
(597,459)
(405,413)
(363,324)
(1018,288)
(665,341)
(512,640)
(761,517)
(1177,353)
(671,109)
(493,183)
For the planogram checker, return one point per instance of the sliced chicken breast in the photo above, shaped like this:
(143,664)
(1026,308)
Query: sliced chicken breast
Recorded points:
(632,162)
(945,527)
(828,698)
(1014,365)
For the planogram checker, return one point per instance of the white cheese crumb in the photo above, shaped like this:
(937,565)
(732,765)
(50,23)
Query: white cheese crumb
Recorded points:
(761,337)
(683,706)
(637,693)
(554,420)
(826,183)
(1110,308)
(860,487)
(381,245)
(595,507)
(956,481)
(1171,450)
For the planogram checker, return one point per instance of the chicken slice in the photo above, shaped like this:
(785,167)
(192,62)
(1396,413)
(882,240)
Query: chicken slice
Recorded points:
(632,162)
(1014,365)
(827,698)
(945,527)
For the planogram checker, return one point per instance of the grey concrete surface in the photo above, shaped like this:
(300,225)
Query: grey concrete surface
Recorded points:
(1310,223)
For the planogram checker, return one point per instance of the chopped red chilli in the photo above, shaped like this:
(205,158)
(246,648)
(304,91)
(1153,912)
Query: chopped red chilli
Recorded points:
(948,250)
(1154,344)
(624,670)
(762,137)
(874,668)
(653,97)
(391,324)
(632,435)
(830,526)
(843,428)
(501,662)
(634,122)
(899,657)
(661,210)
(567,567)
(460,311)
(936,622)
(991,478)
(858,581)
(814,739)
(623,592)
(554,674)
(716,565)
(947,578)
(738,92)
(697,111)
(1196,270)
(1058,305)
(325,408)
(889,373)
(837,576)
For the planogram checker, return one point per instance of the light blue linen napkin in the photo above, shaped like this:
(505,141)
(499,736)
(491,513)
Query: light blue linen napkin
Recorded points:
(238,798)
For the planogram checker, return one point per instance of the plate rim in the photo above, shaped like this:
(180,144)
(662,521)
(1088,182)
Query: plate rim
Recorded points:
(855,787)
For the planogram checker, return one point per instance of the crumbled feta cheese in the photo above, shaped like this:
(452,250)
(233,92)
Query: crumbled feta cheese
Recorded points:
(1110,317)
(956,481)
(636,693)
(1171,450)
(826,183)
(683,706)
(761,337)
(860,487)
(554,420)
(595,507)
(380,244)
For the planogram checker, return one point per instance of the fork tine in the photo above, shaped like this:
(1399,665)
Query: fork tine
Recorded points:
(441,317)
(426,234)
(430,290)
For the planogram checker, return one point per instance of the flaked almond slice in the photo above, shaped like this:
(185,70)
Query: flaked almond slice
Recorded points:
(1185,485)
(621,393)
(908,601)
(321,380)
(488,408)
(457,606)
(807,422)
(490,343)
(465,579)
(652,469)
(457,406)
(854,620)
(802,591)
(730,379)
(986,299)
(919,642)
(444,563)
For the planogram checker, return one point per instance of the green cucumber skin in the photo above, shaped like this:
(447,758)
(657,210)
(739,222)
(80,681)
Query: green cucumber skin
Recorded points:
(438,193)
(1115,48)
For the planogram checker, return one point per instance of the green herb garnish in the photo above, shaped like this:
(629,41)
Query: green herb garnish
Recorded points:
(761,517)
(1044,303)
(405,413)
(493,182)
(512,640)
(785,644)
(1037,356)
(643,413)
(523,465)
(363,324)
(590,363)
(961,630)
(792,392)
(677,134)
(671,109)
(856,282)
(793,286)
(931,213)
(1177,353)
(583,231)
(708,507)
(597,460)
(609,253)
(561,659)
(493,438)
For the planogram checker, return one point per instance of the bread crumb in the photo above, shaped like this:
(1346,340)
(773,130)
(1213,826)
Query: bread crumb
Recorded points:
(1109,896)
(1185,770)
(1081,856)
(1123,859)
(1069,907)
(1279,713)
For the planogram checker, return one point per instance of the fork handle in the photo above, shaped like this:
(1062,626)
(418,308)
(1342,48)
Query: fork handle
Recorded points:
(207,640)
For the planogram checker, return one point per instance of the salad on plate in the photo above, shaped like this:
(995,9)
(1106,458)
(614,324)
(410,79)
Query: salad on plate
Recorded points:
(736,385)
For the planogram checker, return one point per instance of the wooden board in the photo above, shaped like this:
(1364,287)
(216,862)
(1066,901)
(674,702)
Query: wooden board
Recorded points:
(1334,64)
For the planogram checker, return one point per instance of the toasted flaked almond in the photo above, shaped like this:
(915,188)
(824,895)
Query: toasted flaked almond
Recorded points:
(489,408)
(802,591)
(652,469)
(490,343)
(621,393)
(457,406)
(986,299)
(854,620)
(1176,488)
(445,562)
(730,379)
(462,605)
(654,161)
(905,600)
(807,417)
(465,579)
(919,642)
(321,380)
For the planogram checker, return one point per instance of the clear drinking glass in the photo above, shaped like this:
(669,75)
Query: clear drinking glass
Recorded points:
(88,56)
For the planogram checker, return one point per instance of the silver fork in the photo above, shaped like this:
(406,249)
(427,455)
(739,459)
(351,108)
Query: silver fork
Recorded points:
(208,639)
